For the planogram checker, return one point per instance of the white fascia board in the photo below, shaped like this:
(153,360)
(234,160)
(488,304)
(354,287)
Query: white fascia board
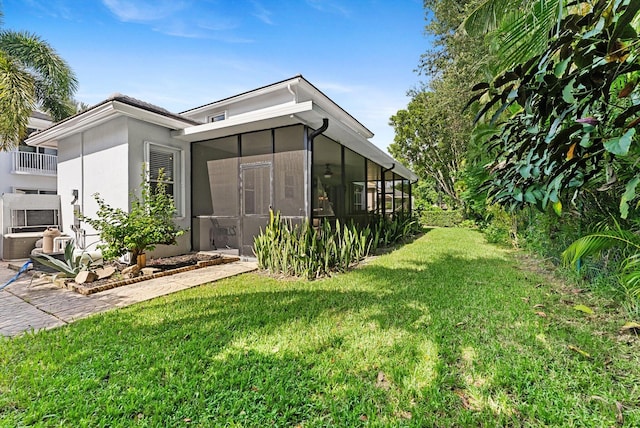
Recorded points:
(91,118)
(50,137)
(242,97)
(197,132)
(150,117)
(336,111)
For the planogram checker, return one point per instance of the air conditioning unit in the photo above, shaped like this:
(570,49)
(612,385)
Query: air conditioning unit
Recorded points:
(16,246)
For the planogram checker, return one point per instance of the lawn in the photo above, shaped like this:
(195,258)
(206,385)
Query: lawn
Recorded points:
(445,331)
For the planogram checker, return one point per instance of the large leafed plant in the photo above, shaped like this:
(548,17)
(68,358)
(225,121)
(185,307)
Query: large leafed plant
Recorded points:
(568,116)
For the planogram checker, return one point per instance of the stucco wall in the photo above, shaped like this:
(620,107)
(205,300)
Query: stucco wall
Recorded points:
(141,133)
(282,96)
(108,159)
(94,161)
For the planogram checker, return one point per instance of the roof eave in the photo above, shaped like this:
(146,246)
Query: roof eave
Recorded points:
(100,114)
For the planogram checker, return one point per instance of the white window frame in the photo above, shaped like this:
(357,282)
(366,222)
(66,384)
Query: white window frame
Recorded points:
(178,168)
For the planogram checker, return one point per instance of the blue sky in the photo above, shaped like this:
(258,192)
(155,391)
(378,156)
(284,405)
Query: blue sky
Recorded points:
(180,54)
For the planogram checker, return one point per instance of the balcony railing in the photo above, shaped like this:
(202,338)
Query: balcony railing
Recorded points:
(34,163)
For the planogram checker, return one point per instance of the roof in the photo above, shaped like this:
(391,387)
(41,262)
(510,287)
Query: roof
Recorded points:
(40,115)
(307,105)
(272,86)
(98,113)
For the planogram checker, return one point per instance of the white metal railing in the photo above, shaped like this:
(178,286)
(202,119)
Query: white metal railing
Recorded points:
(34,163)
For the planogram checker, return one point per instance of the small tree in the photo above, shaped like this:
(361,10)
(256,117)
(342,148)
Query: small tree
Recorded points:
(148,223)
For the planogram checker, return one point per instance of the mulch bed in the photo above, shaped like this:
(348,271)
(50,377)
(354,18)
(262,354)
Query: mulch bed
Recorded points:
(167,266)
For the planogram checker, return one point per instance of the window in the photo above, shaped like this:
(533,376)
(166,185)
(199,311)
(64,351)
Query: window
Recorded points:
(217,117)
(167,160)
(34,191)
(33,220)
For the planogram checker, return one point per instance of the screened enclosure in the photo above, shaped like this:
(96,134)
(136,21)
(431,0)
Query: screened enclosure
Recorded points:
(237,180)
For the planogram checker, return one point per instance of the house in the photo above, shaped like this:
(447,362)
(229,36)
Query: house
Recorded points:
(285,146)
(28,200)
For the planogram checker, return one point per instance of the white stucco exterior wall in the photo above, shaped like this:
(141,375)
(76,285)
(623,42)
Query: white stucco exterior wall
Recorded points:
(108,159)
(93,161)
(141,133)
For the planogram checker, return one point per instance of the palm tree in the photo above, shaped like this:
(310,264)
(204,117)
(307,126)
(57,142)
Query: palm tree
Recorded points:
(32,76)
(519,29)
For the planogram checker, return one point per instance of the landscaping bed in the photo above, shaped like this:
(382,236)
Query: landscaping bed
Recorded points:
(166,265)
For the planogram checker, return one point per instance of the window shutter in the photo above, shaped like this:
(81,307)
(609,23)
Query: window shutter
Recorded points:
(161,160)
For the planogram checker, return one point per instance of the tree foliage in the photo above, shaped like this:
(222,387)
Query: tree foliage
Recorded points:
(517,30)
(572,112)
(32,75)
(430,139)
(432,133)
(148,222)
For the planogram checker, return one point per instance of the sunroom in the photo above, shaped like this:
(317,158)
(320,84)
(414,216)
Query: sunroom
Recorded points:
(302,156)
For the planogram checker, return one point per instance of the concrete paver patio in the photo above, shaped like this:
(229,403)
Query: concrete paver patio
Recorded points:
(31,304)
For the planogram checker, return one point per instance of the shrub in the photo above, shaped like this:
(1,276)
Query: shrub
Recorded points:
(501,226)
(304,251)
(148,223)
(441,218)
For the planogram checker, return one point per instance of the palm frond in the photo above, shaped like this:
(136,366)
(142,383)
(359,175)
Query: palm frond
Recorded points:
(54,80)
(487,16)
(599,241)
(17,101)
(522,35)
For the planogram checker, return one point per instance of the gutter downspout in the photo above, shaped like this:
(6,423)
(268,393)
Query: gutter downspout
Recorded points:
(384,190)
(307,177)
(314,134)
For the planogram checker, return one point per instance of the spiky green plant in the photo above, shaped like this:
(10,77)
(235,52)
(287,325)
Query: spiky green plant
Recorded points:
(312,252)
(71,266)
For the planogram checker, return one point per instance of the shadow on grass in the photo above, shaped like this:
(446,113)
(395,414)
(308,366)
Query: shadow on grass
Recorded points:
(370,345)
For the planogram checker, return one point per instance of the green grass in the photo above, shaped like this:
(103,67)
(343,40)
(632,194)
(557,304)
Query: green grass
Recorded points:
(442,332)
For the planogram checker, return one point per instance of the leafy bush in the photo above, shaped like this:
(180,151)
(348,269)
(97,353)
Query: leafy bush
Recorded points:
(148,223)
(442,218)
(627,244)
(500,226)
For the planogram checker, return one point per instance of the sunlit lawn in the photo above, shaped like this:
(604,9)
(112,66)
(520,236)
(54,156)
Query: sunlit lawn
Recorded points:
(446,331)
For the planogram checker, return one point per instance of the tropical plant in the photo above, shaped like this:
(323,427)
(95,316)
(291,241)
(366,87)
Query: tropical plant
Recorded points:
(596,243)
(518,30)
(148,222)
(71,265)
(304,251)
(571,113)
(32,75)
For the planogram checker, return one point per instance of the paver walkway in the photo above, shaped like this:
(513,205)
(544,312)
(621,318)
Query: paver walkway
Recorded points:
(34,304)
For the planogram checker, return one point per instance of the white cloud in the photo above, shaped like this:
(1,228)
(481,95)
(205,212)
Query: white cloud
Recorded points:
(144,11)
(329,6)
(262,13)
